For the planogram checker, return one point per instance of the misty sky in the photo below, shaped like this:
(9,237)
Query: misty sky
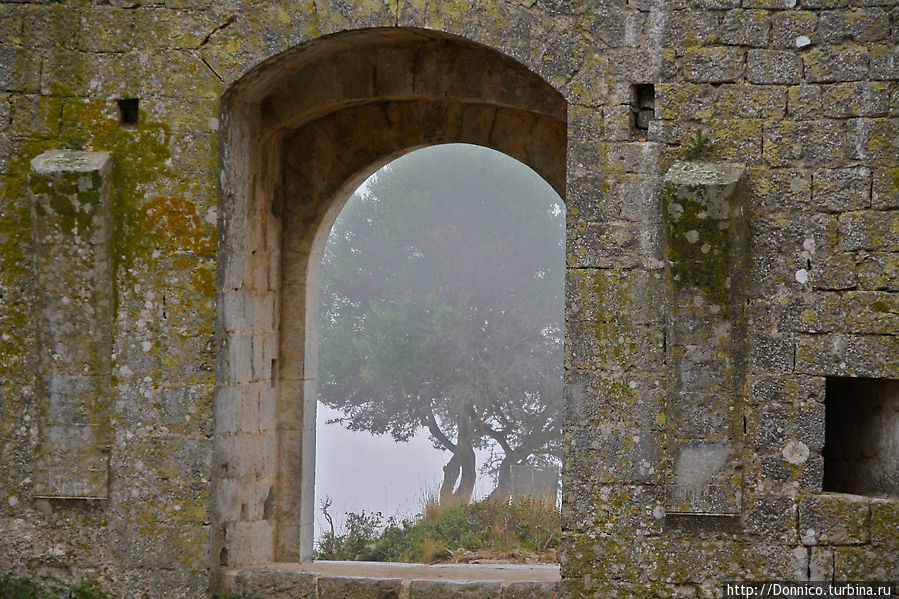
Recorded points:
(360,471)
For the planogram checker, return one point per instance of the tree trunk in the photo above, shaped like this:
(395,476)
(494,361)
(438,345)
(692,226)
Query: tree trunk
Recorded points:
(450,474)
(462,467)
(504,479)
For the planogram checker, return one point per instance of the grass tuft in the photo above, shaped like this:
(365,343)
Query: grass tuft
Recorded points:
(523,530)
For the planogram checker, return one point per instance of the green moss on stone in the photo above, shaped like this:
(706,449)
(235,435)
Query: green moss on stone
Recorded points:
(699,248)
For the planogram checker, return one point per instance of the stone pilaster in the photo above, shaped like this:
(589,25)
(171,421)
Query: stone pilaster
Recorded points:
(71,233)
(706,248)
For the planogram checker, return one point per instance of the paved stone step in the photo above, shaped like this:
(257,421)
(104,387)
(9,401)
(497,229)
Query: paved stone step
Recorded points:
(373,580)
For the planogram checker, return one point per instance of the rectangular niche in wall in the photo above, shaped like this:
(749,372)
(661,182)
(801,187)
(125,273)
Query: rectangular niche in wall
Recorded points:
(861,436)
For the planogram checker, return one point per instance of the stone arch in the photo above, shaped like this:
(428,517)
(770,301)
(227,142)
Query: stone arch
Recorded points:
(300,133)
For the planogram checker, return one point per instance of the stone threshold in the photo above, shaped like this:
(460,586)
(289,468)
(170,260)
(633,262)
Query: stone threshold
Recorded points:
(332,580)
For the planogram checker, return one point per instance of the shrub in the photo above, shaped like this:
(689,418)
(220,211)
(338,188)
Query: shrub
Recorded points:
(521,528)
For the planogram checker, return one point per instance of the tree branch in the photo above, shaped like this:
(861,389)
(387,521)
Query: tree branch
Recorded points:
(431,422)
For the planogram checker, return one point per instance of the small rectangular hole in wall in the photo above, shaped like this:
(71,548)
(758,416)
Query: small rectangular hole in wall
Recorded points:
(643,106)
(861,436)
(129,112)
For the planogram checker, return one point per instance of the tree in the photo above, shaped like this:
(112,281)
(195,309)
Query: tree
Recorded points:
(441,305)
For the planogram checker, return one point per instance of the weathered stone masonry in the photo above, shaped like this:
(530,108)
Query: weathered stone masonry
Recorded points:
(155,371)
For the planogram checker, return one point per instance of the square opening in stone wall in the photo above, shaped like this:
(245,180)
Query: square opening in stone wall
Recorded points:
(643,102)
(861,436)
(129,112)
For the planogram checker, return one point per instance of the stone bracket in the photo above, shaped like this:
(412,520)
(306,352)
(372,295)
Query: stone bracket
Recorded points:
(69,192)
(706,252)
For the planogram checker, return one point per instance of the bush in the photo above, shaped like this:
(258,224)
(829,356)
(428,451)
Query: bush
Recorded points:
(521,529)
(362,531)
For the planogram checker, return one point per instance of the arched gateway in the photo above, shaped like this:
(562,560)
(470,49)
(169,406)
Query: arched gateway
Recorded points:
(301,132)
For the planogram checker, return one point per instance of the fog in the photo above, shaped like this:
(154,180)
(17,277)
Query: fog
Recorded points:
(360,471)
(440,356)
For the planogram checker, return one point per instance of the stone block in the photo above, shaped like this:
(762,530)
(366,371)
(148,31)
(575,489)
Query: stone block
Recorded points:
(618,27)
(833,272)
(685,101)
(618,123)
(820,565)
(777,425)
(158,27)
(691,27)
(870,230)
(810,313)
(825,3)
(834,520)
(452,589)
(885,189)
(752,101)
(791,28)
(358,587)
(790,466)
(780,188)
(240,357)
(784,389)
(616,455)
(737,139)
(847,355)
(634,157)
(745,27)
(108,30)
(613,244)
(875,139)
(265,583)
(19,69)
(716,64)
(606,295)
(841,190)
(638,508)
(773,67)
(884,515)
(865,563)
(804,102)
(11,20)
(228,500)
(829,64)
(869,312)
(821,142)
(885,62)
(771,518)
(861,98)
(863,24)
(771,353)
(879,270)
(612,347)
(771,4)
(633,64)
(594,398)
(531,590)
(70,218)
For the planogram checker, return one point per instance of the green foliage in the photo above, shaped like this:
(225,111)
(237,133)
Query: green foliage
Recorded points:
(441,306)
(21,588)
(357,542)
(520,528)
(24,588)
(698,146)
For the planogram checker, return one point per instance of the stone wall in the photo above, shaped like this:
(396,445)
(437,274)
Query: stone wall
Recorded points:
(803,93)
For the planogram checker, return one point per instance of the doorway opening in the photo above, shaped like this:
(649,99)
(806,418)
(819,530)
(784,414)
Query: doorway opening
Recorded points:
(440,363)
(300,133)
